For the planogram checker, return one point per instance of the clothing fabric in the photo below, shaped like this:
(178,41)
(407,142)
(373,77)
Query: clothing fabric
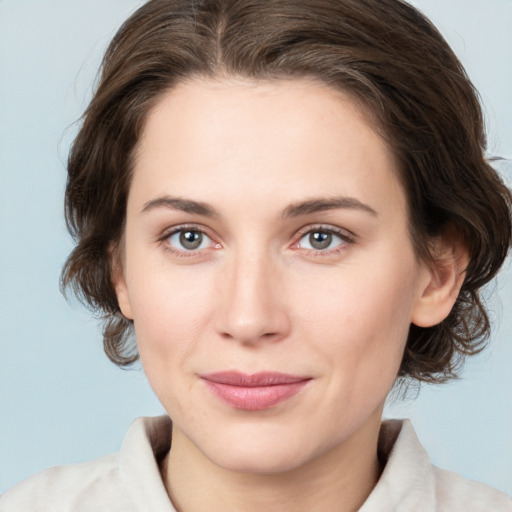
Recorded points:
(130,480)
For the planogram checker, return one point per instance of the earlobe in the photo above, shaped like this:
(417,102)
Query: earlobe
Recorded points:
(119,283)
(441,281)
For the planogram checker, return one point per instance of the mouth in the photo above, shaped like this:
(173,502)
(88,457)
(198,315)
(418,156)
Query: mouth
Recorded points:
(254,392)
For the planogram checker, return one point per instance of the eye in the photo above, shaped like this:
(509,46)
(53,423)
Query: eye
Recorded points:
(322,239)
(188,240)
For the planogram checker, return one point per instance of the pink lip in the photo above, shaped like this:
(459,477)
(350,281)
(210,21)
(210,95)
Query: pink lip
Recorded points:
(254,392)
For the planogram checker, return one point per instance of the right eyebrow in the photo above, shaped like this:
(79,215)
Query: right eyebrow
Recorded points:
(183,205)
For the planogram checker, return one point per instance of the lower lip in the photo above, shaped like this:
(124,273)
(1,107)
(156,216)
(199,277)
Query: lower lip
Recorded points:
(255,398)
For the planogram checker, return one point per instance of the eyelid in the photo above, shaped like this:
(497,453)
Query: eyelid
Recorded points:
(328,228)
(170,231)
(344,234)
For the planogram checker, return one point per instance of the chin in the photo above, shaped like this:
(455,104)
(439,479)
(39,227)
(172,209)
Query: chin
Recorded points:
(260,449)
(259,461)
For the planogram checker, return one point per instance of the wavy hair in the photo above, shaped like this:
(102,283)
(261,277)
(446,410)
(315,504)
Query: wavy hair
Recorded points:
(384,53)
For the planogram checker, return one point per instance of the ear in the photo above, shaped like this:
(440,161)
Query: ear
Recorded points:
(119,281)
(441,280)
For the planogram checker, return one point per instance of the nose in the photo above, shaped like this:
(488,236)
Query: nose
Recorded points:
(251,308)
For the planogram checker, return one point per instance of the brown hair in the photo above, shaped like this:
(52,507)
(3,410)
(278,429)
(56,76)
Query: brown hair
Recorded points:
(384,53)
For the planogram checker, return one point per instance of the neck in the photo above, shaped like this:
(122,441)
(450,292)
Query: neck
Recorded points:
(339,480)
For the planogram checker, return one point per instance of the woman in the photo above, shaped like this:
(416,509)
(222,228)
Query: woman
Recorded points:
(287,205)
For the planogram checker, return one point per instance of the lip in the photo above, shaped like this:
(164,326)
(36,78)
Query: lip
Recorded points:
(254,392)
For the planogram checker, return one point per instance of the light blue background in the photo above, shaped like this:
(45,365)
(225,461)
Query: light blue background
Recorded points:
(61,401)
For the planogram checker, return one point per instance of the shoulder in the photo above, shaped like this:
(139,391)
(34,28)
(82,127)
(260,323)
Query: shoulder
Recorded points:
(454,492)
(409,481)
(122,482)
(93,485)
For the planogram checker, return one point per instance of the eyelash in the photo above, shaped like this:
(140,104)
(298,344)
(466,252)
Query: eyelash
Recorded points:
(183,253)
(346,238)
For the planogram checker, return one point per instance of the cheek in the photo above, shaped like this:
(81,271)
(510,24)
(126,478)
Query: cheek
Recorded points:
(170,312)
(169,318)
(359,320)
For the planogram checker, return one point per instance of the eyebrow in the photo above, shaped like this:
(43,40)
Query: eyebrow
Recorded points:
(321,204)
(293,210)
(184,205)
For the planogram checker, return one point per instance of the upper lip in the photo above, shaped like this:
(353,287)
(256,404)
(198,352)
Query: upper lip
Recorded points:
(236,378)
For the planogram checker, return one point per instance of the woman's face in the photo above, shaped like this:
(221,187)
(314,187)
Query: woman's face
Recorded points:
(268,269)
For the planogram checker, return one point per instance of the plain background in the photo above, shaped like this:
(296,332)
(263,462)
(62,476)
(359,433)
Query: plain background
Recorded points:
(61,401)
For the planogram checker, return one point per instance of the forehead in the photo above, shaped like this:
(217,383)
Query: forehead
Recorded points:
(287,138)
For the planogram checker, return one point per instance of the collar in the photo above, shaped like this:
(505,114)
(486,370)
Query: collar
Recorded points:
(407,482)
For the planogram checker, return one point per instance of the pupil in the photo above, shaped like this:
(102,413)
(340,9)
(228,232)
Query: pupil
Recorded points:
(320,240)
(191,239)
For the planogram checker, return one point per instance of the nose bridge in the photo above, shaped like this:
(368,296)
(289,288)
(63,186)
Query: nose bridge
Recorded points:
(251,308)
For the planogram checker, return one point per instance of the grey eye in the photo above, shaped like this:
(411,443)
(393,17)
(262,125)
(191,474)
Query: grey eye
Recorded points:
(320,240)
(190,240)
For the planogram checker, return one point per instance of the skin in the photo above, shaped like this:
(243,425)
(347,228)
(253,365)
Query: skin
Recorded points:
(257,295)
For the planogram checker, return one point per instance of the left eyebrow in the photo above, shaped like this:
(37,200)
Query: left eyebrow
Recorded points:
(323,204)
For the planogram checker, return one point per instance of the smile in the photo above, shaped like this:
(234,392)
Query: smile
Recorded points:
(254,392)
